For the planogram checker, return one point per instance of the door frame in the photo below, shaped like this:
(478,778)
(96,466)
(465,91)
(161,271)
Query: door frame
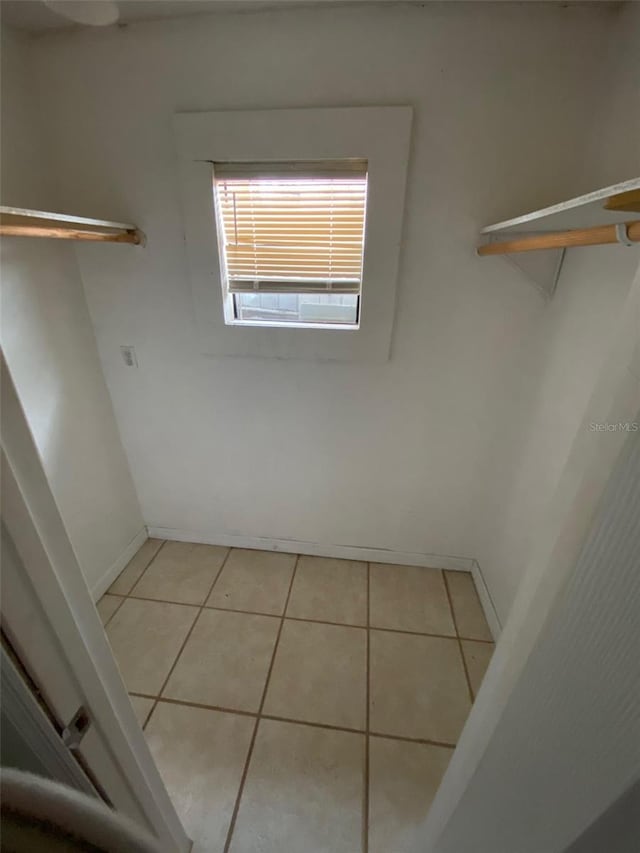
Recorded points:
(53,626)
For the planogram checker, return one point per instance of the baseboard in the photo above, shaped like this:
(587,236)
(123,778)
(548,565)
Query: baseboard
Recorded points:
(486,601)
(98,590)
(316,549)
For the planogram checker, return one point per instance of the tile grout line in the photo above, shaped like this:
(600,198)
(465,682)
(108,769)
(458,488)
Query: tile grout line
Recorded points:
(455,625)
(365,820)
(167,700)
(299,619)
(144,571)
(124,597)
(424,741)
(245,770)
(427,634)
(186,639)
(276,718)
(326,726)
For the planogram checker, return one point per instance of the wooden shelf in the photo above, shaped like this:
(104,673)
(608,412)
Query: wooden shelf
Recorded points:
(19,222)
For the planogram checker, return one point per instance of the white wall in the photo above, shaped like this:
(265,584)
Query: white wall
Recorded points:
(568,343)
(614,147)
(51,352)
(554,731)
(393,456)
(552,385)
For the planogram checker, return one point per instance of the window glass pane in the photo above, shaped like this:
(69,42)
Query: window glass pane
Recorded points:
(297,307)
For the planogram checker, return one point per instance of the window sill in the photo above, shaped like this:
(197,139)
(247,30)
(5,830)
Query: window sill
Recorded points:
(259,324)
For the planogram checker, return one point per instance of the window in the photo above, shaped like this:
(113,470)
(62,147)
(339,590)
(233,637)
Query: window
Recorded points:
(338,303)
(291,241)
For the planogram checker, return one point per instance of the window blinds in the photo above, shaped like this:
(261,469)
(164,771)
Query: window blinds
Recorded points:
(292,227)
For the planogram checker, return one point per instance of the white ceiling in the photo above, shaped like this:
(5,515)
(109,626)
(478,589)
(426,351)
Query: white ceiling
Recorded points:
(34,16)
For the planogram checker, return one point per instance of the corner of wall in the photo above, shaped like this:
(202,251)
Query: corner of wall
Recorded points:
(99,588)
(490,612)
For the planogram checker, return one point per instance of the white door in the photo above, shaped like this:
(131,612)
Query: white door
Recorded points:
(31,740)
(52,625)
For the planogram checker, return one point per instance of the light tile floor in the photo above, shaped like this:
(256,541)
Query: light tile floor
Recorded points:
(296,703)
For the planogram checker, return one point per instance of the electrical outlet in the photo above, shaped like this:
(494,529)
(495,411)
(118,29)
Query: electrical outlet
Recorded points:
(129,356)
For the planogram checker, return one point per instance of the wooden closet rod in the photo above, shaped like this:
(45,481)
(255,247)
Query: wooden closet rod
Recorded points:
(132,236)
(596,236)
(20,222)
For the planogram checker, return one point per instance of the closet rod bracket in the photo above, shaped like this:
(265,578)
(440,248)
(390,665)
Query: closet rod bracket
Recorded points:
(622,234)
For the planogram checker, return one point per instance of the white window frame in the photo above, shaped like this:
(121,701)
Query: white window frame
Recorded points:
(381,135)
(229,297)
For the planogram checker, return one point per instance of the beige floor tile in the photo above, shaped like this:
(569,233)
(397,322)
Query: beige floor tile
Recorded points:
(254,580)
(141,706)
(303,793)
(125,581)
(181,572)
(409,598)
(107,606)
(225,661)
(403,780)
(418,687)
(319,675)
(466,607)
(200,755)
(146,637)
(330,590)
(477,657)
